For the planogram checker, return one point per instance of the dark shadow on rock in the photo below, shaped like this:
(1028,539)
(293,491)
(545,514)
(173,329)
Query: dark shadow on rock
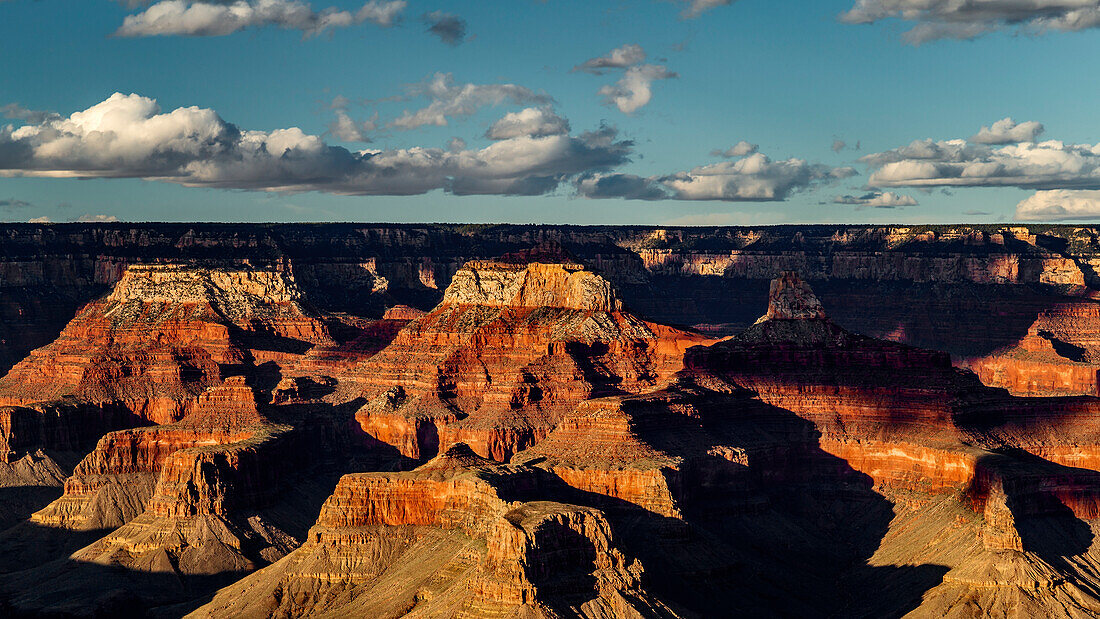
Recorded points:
(788,535)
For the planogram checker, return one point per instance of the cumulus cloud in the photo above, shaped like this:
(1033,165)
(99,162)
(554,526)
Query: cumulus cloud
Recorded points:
(958,163)
(1060,205)
(1066,175)
(955,19)
(128,136)
(449,99)
(1007,131)
(212,18)
(346,129)
(695,8)
(451,29)
(532,122)
(634,88)
(93,219)
(15,111)
(39,220)
(739,149)
(618,58)
(877,199)
(753,178)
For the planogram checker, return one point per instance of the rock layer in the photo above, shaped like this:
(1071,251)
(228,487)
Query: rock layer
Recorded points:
(510,349)
(452,538)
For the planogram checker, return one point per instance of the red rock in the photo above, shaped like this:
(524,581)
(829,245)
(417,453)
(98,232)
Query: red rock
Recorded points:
(447,539)
(157,340)
(1060,355)
(510,349)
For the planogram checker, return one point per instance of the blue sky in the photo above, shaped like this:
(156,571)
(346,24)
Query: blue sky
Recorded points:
(790,77)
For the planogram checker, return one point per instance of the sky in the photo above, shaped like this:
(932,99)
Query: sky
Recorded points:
(662,112)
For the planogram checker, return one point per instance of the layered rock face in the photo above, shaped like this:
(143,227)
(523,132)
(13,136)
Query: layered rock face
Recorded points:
(1059,355)
(185,501)
(510,349)
(797,404)
(452,538)
(144,353)
(159,338)
(786,470)
(931,286)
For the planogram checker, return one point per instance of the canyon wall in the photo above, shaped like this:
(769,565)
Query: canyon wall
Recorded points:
(934,286)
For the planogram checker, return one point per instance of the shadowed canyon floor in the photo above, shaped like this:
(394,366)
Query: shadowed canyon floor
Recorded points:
(219,437)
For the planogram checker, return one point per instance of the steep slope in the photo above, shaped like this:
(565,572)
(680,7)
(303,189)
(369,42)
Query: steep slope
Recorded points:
(144,352)
(185,502)
(512,347)
(1059,355)
(455,537)
(880,467)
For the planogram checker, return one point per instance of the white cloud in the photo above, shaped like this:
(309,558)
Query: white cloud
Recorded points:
(91,219)
(618,58)
(185,17)
(754,178)
(957,163)
(1007,131)
(695,8)
(349,130)
(1060,205)
(633,90)
(450,100)
(532,121)
(39,220)
(968,19)
(127,136)
(877,199)
(739,149)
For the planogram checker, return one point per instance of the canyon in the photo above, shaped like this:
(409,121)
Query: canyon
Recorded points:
(530,421)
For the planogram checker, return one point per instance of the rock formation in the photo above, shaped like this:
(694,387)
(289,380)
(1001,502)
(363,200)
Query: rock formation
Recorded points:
(1059,355)
(530,447)
(511,348)
(455,537)
(145,352)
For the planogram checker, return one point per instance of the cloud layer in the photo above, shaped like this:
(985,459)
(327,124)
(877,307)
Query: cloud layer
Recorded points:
(449,100)
(1059,205)
(877,199)
(212,18)
(739,149)
(618,58)
(969,19)
(128,136)
(755,178)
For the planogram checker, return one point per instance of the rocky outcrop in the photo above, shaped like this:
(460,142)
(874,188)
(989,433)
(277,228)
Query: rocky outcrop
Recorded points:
(158,339)
(145,352)
(184,501)
(795,404)
(918,284)
(452,538)
(112,485)
(511,348)
(1059,355)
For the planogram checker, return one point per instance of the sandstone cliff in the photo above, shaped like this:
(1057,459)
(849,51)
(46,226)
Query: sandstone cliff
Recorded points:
(452,538)
(510,349)
(932,286)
